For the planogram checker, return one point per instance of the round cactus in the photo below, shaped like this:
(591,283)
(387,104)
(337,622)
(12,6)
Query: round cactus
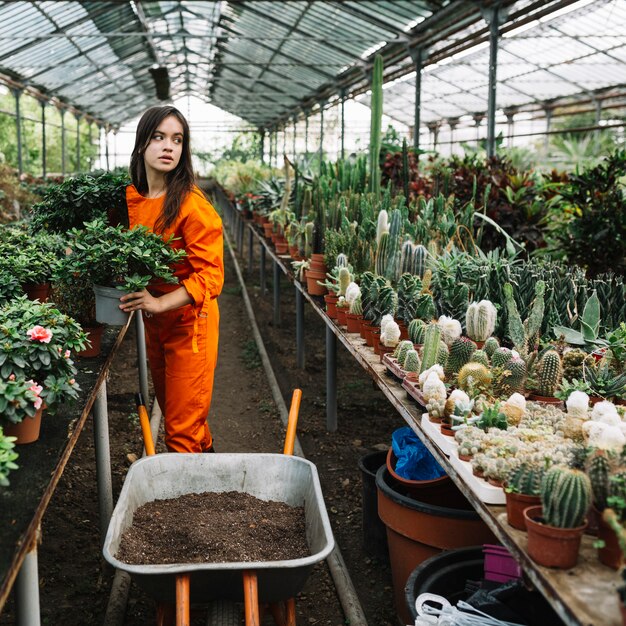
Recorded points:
(480,356)
(461,351)
(565,497)
(411,361)
(356,307)
(442,354)
(401,350)
(416,330)
(573,364)
(500,357)
(550,373)
(513,379)
(473,374)
(491,345)
(480,320)
(526,479)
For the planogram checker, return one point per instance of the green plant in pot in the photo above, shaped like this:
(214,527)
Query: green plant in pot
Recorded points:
(556,527)
(523,489)
(7,457)
(116,260)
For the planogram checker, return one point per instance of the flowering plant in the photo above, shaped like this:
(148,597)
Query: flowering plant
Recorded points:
(19,398)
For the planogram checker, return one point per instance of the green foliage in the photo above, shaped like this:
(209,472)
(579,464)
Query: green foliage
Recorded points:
(492,417)
(81,199)
(432,338)
(549,373)
(7,457)
(565,497)
(525,479)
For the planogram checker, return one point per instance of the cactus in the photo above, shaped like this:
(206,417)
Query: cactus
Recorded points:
(344,279)
(401,350)
(526,479)
(416,330)
(473,375)
(461,351)
(309,233)
(573,364)
(385,304)
(376,107)
(442,354)
(501,357)
(598,470)
(480,356)
(549,373)
(565,497)
(480,320)
(432,337)
(406,257)
(525,334)
(411,361)
(408,291)
(380,263)
(356,307)
(382,225)
(425,307)
(420,259)
(405,171)
(491,345)
(513,378)
(617,493)
(342,260)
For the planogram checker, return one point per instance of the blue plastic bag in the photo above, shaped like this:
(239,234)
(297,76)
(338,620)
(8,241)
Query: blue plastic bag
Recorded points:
(413,459)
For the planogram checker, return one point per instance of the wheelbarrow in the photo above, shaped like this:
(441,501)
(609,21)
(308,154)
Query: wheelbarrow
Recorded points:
(278,477)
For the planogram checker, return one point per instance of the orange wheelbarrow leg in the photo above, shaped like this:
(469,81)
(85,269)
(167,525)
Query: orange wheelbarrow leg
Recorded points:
(165,614)
(284,613)
(182,600)
(251,598)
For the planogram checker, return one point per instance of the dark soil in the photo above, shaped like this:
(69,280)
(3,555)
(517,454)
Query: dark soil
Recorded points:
(75,582)
(227,527)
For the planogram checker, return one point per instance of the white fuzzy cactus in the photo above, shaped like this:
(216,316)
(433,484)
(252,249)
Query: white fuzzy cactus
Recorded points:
(606,412)
(426,373)
(604,436)
(458,395)
(382,226)
(353,291)
(385,321)
(450,329)
(578,404)
(434,389)
(480,320)
(389,333)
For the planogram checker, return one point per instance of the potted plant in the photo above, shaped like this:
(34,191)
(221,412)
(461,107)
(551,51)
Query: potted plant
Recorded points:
(7,457)
(21,408)
(556,527)
(522,489)
(116,260)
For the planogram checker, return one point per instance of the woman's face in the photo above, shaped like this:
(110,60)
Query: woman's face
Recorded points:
(162,154)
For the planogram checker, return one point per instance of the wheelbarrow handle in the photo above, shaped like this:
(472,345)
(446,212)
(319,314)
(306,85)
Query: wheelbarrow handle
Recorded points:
(144,420)
(290,437)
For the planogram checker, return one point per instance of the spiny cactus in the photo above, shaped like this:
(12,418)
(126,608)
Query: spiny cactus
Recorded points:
(309,234)
(480,356)
(425,307)
(435,408)
(513,378)
(526,478)
(356,307)
(401,350)
(461,351)
(598,470)
(617,492)
(376,107)
(573,364)
(416,330)
(474,375)
(525,334)
(432,338)
(420,260)
(491,345)
(565,497)
(549,373)
(408,289)
(443,354)
(411,361)
(480,320)
(501,357)
(344,279)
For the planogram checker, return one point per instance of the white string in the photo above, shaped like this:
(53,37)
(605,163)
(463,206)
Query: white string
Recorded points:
(447,615)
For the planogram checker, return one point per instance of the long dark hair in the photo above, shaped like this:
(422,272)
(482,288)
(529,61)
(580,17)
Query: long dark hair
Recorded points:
(180,181)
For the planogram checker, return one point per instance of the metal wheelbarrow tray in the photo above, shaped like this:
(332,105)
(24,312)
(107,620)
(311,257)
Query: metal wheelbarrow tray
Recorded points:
(279,477)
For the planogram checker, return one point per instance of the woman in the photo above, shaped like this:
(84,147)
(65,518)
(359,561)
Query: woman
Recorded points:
(181,320)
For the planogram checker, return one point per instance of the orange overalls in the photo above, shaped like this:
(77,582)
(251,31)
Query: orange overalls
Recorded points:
(182,343)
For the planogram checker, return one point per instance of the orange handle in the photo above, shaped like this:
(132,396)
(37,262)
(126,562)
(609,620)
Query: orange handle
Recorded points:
(144,420)
(182,600)
(251,598)
(290,437)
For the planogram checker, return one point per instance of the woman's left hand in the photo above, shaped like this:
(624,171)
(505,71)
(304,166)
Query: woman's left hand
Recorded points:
(140,301)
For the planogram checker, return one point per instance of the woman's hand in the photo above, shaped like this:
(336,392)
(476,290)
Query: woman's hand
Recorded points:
(140,301)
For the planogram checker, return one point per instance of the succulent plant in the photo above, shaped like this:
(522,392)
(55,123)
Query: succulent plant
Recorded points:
(411,361)
(460,352)
(513,378)
(500,357)
(356,306)
(401,349)
(491,345)
(549,373)
(480,320)
(432,338)
(416,330)
(344,279)
(573,364)
(599,470)
(442,354)
(480,356)
(435,408)
(472,375)
(526,479)
(565,497)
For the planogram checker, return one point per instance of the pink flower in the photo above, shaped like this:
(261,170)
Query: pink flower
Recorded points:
(39,333)
(72,381)
(36,389)
(67,354)
(38,402)
(12,377)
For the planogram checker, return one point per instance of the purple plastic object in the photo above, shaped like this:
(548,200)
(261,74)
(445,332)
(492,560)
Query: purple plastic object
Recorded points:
(500,566)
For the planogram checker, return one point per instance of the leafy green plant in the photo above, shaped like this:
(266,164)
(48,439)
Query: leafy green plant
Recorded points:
(115,257)
(19,398)
(7,457)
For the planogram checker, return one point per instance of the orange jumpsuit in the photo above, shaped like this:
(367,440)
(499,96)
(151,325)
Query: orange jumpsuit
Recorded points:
(182,343)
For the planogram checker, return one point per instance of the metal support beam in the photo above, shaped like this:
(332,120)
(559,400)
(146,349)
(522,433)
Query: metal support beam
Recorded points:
(262,146)
(321,133)
(299,329)
(63,151)
(306,134)
(106,147)
(284,142)
(43,138)
(27,590)
(250,250)
(546,137)
(17,93)
(331,380)
(142,358)
(418,55)
(598,118)
(493,17)
(271,147)
(103,459)
(77,143)
(262,270)
(90,126)
(293,151)
(343,123)
(276,287)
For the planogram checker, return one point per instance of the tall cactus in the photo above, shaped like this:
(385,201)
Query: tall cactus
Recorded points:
(416,330)
(420,260)
(344,278)
(549,373)
(524,334)
(491,345)
(513,378)
(599,470)
(461,351)
(432,337)
(376,104)
(392,248)
(480,320)
(565,497)
(526,478)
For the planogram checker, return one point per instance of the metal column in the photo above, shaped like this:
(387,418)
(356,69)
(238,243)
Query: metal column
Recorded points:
(417,55)
(250,250)
(27,590)
(331,380)
(103,459)
(89,127)
(306,134)
(492,17)
(106,147)
(546,138)
(17,93)
(262,270)
(276,287)
(284,140)
(142,358)
(271,148)
(293,152)
(77,144)
(343,123)
(321,133)
(299,329)
(43,138)
(62,113)
(262,146)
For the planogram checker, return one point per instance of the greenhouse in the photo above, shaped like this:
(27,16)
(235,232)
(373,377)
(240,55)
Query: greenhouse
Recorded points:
(313,312)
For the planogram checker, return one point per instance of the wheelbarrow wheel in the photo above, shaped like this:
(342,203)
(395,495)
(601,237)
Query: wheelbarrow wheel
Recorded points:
(225,613)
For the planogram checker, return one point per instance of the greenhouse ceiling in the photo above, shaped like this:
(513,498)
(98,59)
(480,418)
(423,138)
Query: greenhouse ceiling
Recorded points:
(268,62)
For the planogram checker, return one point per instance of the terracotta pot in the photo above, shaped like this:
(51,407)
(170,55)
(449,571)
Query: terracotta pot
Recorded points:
(281,246)
(263,219)
(550,546)
(382,350)
(404,331)
(268,229)
(342,312)
(26,431)
(331,305)
(94,334)
(369,329)
(312,285)
(317,263)
(434,491)
(515,505)
(417,530)
(595,399)
(295,253)
(363,327)
(39,291)
(446,429)
(353,322)
(376,340)
(546,399)
(479,344)
(611,554)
